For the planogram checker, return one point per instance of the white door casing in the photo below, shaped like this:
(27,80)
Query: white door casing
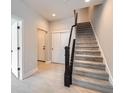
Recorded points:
(14,54)
(16,47)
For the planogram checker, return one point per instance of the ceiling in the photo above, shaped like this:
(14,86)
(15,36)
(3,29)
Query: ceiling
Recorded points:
(62,8)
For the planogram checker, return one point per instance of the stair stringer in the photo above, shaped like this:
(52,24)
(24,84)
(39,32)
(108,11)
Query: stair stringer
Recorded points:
(102,54)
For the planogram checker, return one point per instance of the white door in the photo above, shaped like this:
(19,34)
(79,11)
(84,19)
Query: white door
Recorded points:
(41,45)
(59,41)
(64,42)
(56,44)
(14,51)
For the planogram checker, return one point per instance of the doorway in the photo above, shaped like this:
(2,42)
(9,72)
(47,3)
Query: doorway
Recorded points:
(41,34)
(16,47)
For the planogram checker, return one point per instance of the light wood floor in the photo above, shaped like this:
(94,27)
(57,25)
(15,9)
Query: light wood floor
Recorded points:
(48,79)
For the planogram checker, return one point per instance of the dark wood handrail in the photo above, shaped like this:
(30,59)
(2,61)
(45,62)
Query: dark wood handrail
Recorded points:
(72,60)
(70,35)
(76,16)
(68,60)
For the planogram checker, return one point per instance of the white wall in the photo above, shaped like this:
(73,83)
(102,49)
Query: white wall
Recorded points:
(101,19)
(83,15)
(65,24)
(31,21)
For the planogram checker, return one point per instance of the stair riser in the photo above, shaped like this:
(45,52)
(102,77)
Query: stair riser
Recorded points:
(88,53)
(100,67)
(91,75)
(96,59)
(84,26)
(83,32)
(89,34)
(86,36)
(86,41)
(91,43)
(102,89)
(86,48)
(84,29)
(87,45)
(80,36)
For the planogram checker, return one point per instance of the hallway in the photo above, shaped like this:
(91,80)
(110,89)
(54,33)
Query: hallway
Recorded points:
(48,79)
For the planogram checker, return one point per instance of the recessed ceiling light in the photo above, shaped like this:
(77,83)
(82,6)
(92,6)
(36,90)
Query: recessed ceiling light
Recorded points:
(53,14)
(87,0)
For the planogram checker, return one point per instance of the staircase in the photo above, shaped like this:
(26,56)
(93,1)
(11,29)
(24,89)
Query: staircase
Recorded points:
(88,69)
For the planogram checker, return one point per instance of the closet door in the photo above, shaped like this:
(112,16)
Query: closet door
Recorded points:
(59,41)
(56,48)
(64,42)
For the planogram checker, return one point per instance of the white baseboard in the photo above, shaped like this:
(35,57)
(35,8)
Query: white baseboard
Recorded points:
(104,58)
(21,78)
(26,75)
(48,62)
(58,63)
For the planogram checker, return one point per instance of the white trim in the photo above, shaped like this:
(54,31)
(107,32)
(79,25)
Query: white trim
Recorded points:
(102,54)
(61,31)
(26,75)
(58,63)
(42,29)
(16,17)
(21,45)
(48,62)
(21,49)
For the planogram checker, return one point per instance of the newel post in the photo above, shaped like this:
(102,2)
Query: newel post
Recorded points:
(67,69)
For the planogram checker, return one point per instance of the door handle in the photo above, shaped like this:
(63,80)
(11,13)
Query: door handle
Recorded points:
(43,47)
(11,51)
